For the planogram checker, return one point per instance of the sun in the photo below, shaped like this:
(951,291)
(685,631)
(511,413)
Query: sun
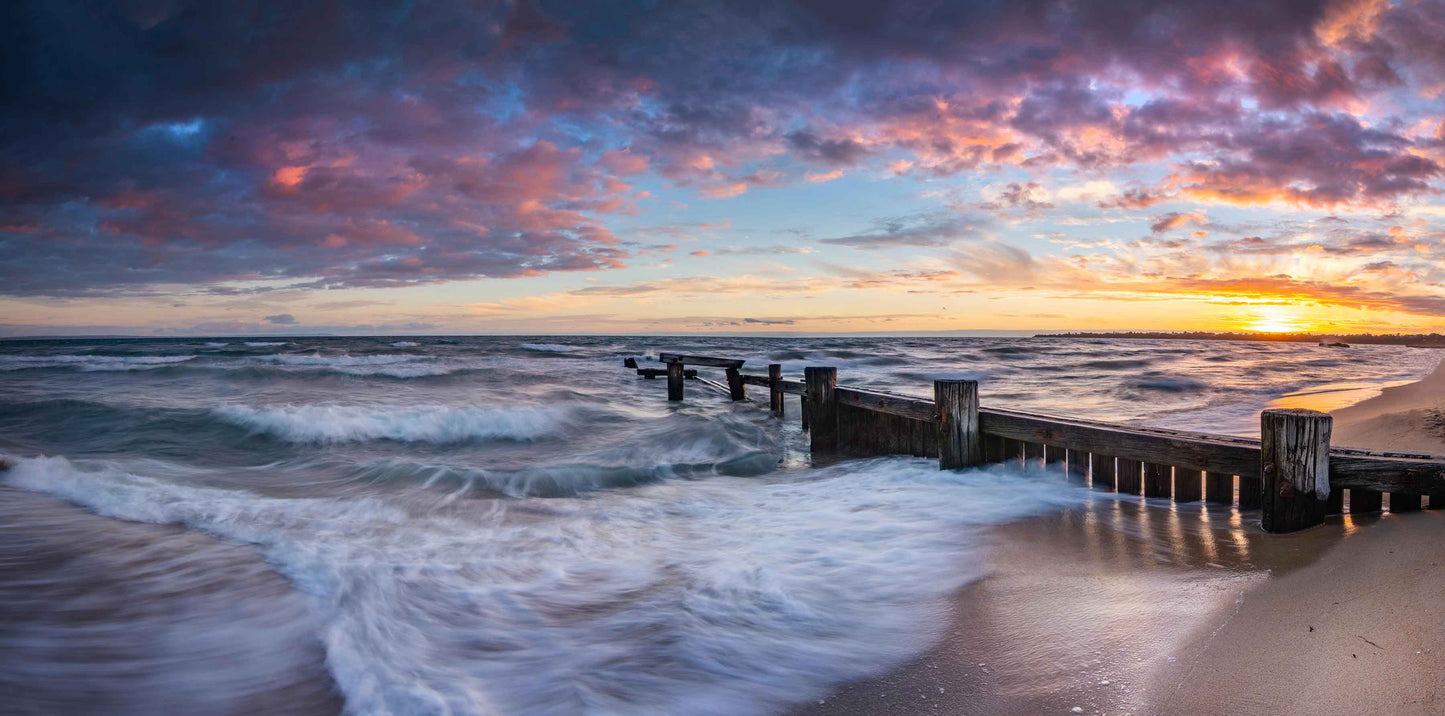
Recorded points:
(1275,319)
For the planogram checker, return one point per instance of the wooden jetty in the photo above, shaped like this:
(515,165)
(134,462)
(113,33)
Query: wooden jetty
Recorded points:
(1291,474)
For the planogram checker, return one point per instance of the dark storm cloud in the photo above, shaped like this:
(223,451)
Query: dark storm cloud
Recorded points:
(331,144)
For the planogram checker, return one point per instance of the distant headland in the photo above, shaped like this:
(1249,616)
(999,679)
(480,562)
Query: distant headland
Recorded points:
(1422,340)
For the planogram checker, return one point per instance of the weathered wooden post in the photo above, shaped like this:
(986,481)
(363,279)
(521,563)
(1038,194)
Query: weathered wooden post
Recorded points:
(1077,466)
(674,381)
(822,407)
(1101,472)
(1188,485)
(1294,464)
(1363,502)
(960,444)
(1404,503)
(1157,480)
(1218,488)
(736,389)
(1127,476)
(775,388)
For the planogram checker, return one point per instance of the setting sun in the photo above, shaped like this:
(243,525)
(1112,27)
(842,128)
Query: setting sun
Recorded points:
(1276,319)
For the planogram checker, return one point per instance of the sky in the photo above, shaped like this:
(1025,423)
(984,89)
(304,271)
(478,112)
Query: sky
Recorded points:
(666,166)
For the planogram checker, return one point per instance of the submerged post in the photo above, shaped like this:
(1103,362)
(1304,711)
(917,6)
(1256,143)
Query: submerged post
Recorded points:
(1294,464)
(775,388)
(736,389)
(959,442)
(674,381)
(822,408)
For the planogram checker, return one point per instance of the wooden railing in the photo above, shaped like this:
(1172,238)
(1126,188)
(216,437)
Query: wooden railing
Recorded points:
(1292,473)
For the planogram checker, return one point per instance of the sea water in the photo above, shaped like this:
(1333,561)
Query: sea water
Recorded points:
(504,525)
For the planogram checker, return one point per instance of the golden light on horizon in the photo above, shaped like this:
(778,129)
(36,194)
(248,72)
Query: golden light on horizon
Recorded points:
(1276,319)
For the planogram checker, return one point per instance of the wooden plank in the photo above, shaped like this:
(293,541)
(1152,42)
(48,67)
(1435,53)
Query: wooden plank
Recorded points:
(736,389)
(956,403)
(891,403)
(992,449)
(1407,475)
(719,387)
(1295,468)
(706,361)
(652,373)
(674,381)
(1219,488)
(1101,472)
(1188,485)
(1077,466)
(1215,453)
(1013,451)
(1404,503)
(1033,456)
(1364,502)
(758,380)
(1054,459)
(794,387)
(822,396)
(1157,479)
(1249,487)
(1128,477)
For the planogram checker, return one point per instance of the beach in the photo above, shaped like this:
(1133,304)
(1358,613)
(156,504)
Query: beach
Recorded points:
(1119,607)
(494,525)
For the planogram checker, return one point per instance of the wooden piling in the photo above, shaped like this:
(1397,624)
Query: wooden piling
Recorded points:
(1127,476)
(1218,488)
(1101,472)
(993,449)
(1188,485)
(823,422)
(1157,479)
(775,388)
(1054,460)
(1436,502)
(1336,502)
(1404,503)
(1013,451)
(1295,468)
(805,411)
(1249,492)
(674,381)
(736,389)
(956,406)
(1077,466)
(1363,502)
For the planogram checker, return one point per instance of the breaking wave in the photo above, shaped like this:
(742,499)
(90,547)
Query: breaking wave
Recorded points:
(90,362)
(431,424)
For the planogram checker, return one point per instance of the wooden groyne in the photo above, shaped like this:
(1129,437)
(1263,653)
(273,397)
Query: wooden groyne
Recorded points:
(1291,474)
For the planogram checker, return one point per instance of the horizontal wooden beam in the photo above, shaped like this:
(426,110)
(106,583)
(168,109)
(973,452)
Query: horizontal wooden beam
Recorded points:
(1198,451)
(705,361)
(890,403)
(750,379)
(1401,475)
(795,387)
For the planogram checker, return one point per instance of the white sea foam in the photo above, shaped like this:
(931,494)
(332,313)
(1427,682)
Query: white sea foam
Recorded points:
(90,363)
(264,344)
(404,344)
(423,423)
(548,347)
(720,597)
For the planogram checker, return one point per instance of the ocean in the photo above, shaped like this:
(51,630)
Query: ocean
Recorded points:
(484,525)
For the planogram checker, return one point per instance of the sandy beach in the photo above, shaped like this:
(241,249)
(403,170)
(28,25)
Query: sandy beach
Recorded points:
(1124,607)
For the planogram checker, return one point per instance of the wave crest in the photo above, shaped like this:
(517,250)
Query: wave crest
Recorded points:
(431,424)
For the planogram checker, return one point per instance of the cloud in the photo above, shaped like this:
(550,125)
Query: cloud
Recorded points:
(281,319)
(925,230)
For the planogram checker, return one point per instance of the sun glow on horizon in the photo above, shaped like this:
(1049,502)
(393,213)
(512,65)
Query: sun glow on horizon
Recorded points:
(1276,319)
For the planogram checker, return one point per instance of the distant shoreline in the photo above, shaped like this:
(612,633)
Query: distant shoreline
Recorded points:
(1417,340)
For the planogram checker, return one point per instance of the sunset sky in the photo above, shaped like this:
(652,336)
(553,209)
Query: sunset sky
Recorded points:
(175,167)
